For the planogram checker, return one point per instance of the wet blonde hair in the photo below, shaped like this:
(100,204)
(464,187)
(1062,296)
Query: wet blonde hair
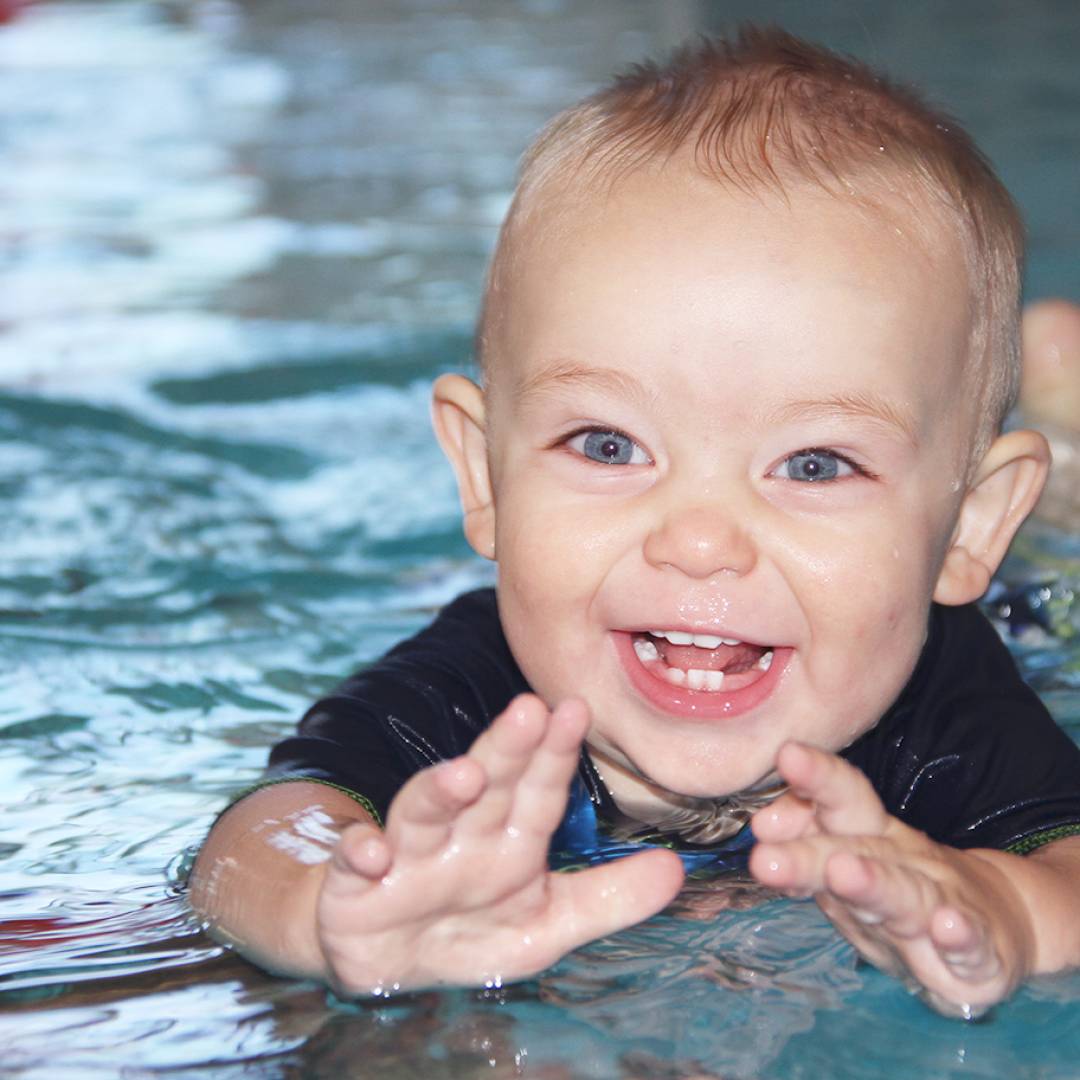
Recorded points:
(766,110)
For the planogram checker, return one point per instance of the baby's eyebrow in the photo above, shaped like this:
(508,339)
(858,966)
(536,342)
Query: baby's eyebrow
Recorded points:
(860,404)
(571,375)
(568,374)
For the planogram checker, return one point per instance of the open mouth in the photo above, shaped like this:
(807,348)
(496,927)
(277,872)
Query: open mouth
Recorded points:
(697,675)
(702,661)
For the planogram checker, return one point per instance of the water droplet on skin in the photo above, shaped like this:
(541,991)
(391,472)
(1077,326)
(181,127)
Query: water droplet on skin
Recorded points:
(709,609)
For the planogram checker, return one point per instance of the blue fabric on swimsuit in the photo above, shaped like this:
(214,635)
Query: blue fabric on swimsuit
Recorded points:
(579,842)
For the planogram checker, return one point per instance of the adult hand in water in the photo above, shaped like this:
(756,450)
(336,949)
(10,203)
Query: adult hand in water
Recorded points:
(1050,389)
(964,928)
(1050,400)
(456,889)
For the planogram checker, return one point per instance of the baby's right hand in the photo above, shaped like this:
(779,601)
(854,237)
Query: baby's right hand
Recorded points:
(457,889)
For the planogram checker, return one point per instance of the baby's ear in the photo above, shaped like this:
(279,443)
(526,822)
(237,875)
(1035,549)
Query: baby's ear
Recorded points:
(457,411)
(1006,487)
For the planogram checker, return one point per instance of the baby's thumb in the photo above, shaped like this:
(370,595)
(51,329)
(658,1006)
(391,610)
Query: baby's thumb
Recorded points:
(593,903)
(362,850)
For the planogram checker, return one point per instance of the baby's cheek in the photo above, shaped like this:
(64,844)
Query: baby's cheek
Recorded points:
(888,618)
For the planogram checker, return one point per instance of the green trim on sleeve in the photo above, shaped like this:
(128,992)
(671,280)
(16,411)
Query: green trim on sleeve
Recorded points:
(356,797)
(1037,840)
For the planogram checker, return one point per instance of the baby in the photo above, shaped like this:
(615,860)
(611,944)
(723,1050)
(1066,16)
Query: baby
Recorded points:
(749,336)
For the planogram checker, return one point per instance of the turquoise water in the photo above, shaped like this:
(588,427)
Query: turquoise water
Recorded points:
(239,240)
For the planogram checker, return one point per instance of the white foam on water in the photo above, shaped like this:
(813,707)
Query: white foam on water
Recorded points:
(121,177)
(106,356)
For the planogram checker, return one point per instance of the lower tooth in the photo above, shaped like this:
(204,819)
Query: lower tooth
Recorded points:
(766,661)
(675,676)
(695,679)
(714,680)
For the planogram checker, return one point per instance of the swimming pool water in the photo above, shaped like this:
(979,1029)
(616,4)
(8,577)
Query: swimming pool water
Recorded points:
(240,239)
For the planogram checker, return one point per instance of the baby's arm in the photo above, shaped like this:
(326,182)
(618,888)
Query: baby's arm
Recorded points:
(456,890)
(964,927)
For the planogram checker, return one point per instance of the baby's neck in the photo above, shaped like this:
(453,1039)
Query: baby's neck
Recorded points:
(699,819)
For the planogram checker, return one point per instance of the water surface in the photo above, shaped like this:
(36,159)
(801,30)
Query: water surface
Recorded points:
(239,241)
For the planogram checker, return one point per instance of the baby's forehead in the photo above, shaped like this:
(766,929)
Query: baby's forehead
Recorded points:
(604,218)
(556,215)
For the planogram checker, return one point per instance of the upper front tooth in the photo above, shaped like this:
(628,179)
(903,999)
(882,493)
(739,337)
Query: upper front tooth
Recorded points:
(707,641)
(702,641)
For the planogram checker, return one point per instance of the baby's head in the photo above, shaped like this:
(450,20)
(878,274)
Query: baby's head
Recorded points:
(749,335)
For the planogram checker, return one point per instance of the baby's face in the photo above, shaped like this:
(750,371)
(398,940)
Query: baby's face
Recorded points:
(734,418)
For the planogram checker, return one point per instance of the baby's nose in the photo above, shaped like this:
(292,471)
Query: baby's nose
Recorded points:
(701,541)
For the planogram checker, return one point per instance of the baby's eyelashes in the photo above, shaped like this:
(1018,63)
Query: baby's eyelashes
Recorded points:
(816,465)
(607,447)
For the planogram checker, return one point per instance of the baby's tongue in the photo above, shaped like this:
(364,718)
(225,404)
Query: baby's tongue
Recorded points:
(722,658)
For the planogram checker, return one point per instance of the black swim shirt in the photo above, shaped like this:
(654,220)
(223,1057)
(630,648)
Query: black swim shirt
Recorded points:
(968,753)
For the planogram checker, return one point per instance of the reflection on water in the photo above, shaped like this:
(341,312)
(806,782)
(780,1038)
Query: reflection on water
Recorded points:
(239,240)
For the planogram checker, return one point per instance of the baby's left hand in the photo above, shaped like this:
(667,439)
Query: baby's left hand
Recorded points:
(944,921)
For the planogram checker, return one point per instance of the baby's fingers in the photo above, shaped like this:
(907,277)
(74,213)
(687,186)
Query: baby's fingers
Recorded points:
(786,818)
(362,850)
(899,901)
(906,905)
(540,799)
(845,802)
(505,751)
(423,814)
(964,946)
(800,867)
(796,868)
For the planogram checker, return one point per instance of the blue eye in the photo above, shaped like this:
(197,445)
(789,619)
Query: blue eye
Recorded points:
(811,466)
(608,447)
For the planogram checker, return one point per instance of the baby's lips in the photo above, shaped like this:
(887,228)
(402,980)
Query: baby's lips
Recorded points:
(696,693)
